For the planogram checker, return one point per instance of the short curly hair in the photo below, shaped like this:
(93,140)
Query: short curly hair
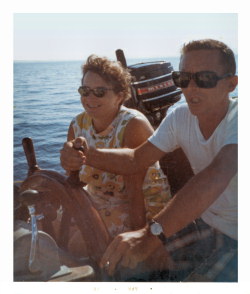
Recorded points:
(112,72)
(227,55)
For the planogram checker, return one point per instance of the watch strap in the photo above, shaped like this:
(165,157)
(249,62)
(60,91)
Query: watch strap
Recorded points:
(161,236)
(163,239)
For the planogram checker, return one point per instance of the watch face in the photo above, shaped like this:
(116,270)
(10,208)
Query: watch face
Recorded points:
(156,229)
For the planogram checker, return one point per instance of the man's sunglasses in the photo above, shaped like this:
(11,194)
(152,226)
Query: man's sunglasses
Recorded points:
(203,79)
(98,91)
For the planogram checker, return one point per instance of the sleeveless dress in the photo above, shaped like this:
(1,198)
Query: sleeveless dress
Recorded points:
(107,191)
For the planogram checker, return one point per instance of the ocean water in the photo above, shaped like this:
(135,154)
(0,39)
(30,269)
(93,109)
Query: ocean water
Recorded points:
(45,101)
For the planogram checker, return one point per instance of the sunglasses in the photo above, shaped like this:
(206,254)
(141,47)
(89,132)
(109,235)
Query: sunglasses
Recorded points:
(98,91)
(203,79)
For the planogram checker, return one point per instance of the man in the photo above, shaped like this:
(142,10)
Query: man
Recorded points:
(199,225)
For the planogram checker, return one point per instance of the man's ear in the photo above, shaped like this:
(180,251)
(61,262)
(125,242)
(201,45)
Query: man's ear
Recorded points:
(233,82)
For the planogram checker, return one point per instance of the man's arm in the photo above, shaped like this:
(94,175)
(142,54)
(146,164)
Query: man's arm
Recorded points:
(200,191)
(124,161)
(128,249)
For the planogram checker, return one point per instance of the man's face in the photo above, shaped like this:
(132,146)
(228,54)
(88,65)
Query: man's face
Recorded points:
(205,101)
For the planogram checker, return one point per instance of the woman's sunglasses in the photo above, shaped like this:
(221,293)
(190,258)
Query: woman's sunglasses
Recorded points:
(98,91)
(203,79)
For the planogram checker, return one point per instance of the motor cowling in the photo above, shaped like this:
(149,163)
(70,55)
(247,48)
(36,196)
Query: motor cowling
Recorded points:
(152,87)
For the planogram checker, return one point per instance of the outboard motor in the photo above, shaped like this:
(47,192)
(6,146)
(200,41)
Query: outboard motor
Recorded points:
(153,89)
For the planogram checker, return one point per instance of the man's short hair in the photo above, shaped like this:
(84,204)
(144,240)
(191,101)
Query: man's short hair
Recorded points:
(227,55)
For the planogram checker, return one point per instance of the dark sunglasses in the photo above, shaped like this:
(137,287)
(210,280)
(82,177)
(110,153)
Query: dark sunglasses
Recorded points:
(203,79)
(98,91)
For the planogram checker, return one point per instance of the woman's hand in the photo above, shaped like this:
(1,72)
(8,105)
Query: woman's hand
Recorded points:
(73,154)
(128,249)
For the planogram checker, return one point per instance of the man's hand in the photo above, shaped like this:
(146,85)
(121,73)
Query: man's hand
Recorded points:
(73,154)
(128,249)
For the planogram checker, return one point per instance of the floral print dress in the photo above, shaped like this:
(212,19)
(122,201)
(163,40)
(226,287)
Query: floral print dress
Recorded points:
(107,191)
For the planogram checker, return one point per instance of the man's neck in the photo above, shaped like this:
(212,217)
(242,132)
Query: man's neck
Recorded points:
(209,122)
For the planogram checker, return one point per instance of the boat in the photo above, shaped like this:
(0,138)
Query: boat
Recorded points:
(46,202)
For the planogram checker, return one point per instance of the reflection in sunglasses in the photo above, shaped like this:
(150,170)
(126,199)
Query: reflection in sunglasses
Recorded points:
(98,91)
(203,79)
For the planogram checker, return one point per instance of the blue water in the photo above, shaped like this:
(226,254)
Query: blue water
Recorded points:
(45,101)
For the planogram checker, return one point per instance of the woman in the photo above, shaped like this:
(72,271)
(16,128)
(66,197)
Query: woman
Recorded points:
(124,203)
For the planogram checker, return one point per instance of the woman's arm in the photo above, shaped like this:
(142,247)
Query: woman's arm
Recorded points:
(137,132)
(71,134)
(135,194)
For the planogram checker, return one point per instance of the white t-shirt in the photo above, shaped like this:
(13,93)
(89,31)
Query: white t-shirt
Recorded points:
(181,129)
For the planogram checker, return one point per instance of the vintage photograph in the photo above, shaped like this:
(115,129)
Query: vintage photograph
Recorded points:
(125,149)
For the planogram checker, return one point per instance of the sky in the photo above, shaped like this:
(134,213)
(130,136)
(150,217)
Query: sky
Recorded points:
(74,36)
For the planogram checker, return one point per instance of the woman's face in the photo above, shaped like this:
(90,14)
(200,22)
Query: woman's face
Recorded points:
(100,107)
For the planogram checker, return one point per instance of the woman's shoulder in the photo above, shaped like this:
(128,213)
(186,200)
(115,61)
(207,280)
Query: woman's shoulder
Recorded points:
(82,119)
(134,118)
(137,130)
(130,112)
(80,115)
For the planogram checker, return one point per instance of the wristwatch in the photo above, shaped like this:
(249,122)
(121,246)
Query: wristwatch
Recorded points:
(157,230)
